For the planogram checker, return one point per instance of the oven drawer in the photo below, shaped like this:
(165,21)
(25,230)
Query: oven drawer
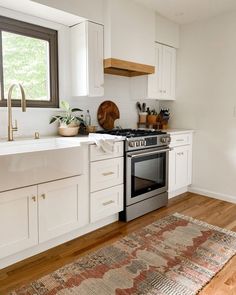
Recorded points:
(107,173)
(106,202)
(97,154)
(180,139)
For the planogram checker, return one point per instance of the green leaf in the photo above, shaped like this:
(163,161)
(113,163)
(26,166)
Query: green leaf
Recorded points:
(65,105)
(79,119)
(54,119)
(76,110)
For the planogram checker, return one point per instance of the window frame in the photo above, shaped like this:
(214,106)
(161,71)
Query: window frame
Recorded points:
(35,31)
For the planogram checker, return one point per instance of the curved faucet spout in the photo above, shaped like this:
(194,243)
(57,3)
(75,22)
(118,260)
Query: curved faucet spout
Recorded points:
(11,129)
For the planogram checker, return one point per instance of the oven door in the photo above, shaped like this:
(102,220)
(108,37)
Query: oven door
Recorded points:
(146,174)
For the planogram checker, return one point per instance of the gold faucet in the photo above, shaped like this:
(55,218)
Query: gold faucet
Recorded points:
(11,129)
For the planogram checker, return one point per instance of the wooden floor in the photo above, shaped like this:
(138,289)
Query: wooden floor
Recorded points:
(216,212)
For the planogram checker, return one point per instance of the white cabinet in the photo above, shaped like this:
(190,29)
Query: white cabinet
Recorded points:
(18,220)
(180,163)
(106,181)
(97,153)
(87,59)
(58,209)
(106,202)
(161,85)
(105,174)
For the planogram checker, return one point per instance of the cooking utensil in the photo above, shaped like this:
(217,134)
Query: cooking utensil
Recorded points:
(138,105)
(144,107)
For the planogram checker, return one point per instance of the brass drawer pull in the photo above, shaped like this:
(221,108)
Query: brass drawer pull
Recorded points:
(180,139)
(43,196)
(180,154)
(34,198)
(108,203)
(108,173)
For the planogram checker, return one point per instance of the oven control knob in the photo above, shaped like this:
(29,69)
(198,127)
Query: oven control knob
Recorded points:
(142,142)
(138,143)
(132,144)
(164,140)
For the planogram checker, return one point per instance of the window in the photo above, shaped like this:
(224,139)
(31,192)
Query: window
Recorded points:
(28,55)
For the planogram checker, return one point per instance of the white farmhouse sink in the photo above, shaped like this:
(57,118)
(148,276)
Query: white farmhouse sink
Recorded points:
(30,162)
(29,146)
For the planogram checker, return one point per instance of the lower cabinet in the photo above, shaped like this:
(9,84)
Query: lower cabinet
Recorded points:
(180,167)
(18,220)
(36,214)
(180,162)
(58,207)
(106,202)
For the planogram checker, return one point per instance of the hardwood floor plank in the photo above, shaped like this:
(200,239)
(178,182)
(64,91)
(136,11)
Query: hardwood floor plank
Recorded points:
(213,211)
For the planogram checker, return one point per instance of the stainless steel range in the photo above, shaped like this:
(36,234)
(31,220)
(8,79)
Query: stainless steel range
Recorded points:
(146,171)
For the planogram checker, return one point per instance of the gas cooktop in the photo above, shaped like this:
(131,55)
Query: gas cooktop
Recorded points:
(129,133)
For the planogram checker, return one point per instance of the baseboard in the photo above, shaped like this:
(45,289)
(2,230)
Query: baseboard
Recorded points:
(178,192)
(219,196)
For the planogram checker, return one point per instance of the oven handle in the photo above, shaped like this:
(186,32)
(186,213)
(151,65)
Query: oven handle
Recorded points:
(149,153)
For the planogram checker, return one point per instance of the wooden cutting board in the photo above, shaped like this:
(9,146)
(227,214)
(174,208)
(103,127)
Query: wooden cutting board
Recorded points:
(107,113)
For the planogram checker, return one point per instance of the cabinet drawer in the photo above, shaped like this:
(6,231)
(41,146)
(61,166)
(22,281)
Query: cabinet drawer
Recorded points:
(107,173)
(180,139)
(106,202)
(97,153)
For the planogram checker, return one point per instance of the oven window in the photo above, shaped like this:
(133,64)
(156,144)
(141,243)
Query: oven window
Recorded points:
(148,173)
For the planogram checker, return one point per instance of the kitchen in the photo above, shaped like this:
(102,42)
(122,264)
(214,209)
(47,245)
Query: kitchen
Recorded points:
(201,105)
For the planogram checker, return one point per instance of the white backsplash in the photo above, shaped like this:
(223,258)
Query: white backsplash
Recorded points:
(117,89)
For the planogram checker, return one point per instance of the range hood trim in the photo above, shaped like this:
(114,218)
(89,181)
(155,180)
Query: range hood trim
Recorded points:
(119,67)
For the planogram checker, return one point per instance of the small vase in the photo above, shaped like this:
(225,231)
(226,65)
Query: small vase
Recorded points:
(143,117)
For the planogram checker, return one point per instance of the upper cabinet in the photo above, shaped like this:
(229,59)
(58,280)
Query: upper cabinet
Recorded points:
(87,59)
(161,85)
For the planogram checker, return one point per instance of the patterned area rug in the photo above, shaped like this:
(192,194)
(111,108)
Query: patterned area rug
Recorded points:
(177,255)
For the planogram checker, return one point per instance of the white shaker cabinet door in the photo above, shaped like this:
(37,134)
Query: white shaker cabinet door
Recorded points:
(18,220)
(87,59)
(95,60)
(168,73)
(161,85)
(155,80)
(58,207)
(180,167)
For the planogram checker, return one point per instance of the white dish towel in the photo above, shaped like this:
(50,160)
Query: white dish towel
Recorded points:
(105,142)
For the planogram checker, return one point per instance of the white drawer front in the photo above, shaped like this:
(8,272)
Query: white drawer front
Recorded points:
(181,139)
(107,173)
(97,153)
(106,202)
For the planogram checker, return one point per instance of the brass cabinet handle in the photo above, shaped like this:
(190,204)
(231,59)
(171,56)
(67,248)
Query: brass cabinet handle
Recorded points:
(43,196)
(108,173)
(108,203)
(34,198)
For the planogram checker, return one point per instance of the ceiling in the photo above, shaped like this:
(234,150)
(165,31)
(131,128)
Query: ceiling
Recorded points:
(187,11)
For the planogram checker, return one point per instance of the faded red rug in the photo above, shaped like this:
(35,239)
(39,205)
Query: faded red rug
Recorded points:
(176,255)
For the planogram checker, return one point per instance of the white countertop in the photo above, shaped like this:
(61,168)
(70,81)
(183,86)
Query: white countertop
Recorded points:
(177,131)
(28,145)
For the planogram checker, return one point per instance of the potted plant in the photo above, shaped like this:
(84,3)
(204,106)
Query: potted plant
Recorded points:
(69,121)
(152,116)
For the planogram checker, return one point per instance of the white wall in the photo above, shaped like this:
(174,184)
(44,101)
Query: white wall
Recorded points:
(206,101)
(117,89)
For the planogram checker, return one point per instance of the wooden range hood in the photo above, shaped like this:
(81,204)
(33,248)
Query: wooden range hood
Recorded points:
(119,67)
